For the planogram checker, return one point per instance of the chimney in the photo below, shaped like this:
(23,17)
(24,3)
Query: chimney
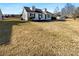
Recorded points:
(45,9)
(33,8)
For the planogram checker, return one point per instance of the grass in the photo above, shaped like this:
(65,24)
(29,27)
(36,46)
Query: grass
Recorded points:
(39,38)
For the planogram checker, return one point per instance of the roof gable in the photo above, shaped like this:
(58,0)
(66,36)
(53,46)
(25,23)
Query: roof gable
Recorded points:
(27,9)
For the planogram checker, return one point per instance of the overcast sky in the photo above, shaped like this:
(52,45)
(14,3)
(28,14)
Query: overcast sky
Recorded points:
(16,8)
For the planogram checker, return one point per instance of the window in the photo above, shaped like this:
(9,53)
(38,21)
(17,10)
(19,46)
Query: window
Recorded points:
(40,15)
(48,16)
(45,16)
(32,15)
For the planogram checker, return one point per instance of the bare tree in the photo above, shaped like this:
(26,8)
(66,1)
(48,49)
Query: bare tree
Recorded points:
(77,11)
(68,10)
(56,11)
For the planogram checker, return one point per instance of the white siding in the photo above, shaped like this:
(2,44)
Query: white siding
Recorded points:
(28,14)
(31,15)
(43,17)
(36,16)
(0,15)
(25,15)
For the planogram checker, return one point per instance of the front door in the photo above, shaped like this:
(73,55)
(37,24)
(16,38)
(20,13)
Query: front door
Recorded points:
(45,16)
(39,16)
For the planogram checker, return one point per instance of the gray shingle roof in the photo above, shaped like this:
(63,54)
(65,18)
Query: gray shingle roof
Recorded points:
(27,9)
(36,10)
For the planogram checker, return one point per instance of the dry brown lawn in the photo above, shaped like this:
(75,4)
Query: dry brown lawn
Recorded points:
(39,38)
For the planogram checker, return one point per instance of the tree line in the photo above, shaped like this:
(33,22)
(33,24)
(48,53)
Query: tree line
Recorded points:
(69,10)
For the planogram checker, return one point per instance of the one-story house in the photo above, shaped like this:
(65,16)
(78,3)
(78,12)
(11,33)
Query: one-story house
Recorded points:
(35,14)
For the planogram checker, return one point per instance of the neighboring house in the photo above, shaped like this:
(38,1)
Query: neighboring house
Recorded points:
(35,14)
(1,15)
